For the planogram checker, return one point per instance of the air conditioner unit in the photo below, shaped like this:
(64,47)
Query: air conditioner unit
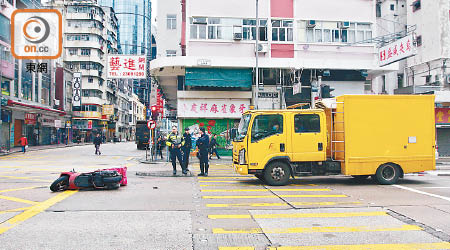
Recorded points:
(344,25)
(237,36)
(262,48)
(311,24)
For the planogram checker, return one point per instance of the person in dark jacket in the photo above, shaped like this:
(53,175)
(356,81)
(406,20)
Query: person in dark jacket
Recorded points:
(175,141)
(187,147)
(97,142)
(213,147)
(203,146)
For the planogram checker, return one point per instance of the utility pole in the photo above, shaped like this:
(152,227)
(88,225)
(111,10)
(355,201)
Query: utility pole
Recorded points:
(257,55)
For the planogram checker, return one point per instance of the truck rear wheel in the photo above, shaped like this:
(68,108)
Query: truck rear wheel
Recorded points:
(388,174)
(277,173)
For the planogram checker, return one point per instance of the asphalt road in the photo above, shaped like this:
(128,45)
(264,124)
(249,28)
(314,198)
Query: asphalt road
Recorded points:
(223,211)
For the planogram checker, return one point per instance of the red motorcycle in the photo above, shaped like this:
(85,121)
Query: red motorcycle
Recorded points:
(105,179)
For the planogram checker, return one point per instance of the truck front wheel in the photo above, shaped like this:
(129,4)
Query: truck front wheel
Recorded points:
(387,174)
(277,173)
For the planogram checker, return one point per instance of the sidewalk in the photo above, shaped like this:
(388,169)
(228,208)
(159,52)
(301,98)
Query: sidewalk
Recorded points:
(43,147)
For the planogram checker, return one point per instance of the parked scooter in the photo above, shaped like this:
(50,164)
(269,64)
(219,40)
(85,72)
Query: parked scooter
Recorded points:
(104,179)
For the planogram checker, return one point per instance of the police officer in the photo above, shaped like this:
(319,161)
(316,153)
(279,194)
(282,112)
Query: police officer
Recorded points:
(175,141)
(187,147)
(203,146)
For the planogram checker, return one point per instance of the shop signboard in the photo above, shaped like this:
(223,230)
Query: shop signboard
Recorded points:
(126,67)
(30,119)
(442,115)
(396,51)
(58,124)
(212,108)
(89,124)
(108,110)
(47,121)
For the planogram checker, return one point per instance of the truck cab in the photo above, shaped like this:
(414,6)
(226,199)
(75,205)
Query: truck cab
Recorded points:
(270,141)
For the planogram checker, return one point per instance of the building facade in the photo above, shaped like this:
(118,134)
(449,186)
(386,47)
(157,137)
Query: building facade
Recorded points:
(211,78)
(33,97)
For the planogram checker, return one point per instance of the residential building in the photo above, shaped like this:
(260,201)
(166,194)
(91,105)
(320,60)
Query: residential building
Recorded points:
(211,79)
(31,101)
(134,18)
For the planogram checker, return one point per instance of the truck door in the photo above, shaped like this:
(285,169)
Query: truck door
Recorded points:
(267,139)
(309,139)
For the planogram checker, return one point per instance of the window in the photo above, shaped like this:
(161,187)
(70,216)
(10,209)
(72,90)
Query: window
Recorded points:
(392,7)
(416,5)
(5,29)
(327,32)
(90,80)
(308,123)
(213,28)
(171,53)
(171,22)
(265,126)
(282,30)
(85,52)
(378,10)
(419,41)
(73,51)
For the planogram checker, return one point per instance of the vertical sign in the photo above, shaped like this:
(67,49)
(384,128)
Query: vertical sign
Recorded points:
(76,100)
(89,124)
(297,88)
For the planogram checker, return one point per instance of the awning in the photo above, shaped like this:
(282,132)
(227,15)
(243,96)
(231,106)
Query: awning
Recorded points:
(219,77)
(12,103)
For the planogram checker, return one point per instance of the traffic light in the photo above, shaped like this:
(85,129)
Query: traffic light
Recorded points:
(326,90)
(154,112)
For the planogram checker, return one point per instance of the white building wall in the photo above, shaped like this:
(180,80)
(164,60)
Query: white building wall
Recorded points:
(167,39)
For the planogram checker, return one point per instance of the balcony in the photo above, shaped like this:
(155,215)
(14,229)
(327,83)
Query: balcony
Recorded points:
(84,16)
(78,58)
(83,44)
(84,30)
(92,100)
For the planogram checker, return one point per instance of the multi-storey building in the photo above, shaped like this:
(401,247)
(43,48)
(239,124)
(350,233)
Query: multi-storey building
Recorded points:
(33,101)
(210,77)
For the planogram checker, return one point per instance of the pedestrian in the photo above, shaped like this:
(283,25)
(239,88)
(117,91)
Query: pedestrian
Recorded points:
(203,146)
(97,142)
(174,142)
(159,146)
(187,147)
(24,143)
(213,147)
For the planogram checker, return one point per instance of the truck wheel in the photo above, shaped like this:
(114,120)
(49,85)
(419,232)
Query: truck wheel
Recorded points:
(277,173)
(387,174)
(60,184)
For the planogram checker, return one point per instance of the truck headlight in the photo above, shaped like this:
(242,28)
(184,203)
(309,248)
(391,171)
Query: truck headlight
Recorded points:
(242,159)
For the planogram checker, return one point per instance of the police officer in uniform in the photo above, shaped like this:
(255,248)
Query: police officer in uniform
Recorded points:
(175,141)
(203,146)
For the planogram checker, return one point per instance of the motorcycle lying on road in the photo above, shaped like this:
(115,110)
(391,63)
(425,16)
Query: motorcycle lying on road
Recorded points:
(111,178)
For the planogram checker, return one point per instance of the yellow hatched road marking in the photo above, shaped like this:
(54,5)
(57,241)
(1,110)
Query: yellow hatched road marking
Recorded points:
(14,210)
(282,204)
(17,200)
(316,230)
(275,196)
(23,178)
(18,189)
(296,215)
(266,190)
(34,210)
(236,248)
(408,246)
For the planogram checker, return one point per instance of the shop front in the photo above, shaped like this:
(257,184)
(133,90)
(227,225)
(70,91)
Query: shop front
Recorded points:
(443,131)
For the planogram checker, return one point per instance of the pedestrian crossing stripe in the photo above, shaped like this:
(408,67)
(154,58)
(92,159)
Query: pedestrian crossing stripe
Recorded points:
(282,204)
(266,190)
(316,230)
(296,215)
(276,196)
(236,248)
(229,177)
(221,181)
(407,246)
(253,185)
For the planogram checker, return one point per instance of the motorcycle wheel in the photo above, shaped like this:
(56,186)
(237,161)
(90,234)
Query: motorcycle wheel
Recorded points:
(60,184)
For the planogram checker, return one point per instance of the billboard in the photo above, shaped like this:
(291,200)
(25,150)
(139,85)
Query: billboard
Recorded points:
(212,108)
(126,67)
(396,51)
(76,99)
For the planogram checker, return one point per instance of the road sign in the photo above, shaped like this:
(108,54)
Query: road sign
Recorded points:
(151,124)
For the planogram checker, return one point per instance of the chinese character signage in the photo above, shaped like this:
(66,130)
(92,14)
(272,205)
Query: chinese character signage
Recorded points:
(76,100)
(212,108)
(442,116)
(396,51)
(108,110)
(30,119)
(125,66)
(87,114)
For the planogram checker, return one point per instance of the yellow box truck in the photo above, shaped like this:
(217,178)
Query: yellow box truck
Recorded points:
(359,135)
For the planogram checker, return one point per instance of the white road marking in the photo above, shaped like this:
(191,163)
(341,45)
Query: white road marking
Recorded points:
(436,187)
(422,192)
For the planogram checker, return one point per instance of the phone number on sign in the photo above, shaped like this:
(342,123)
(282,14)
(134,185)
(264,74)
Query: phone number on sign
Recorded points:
(133,74)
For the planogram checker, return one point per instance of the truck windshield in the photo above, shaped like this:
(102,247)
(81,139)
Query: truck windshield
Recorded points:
(243,127)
